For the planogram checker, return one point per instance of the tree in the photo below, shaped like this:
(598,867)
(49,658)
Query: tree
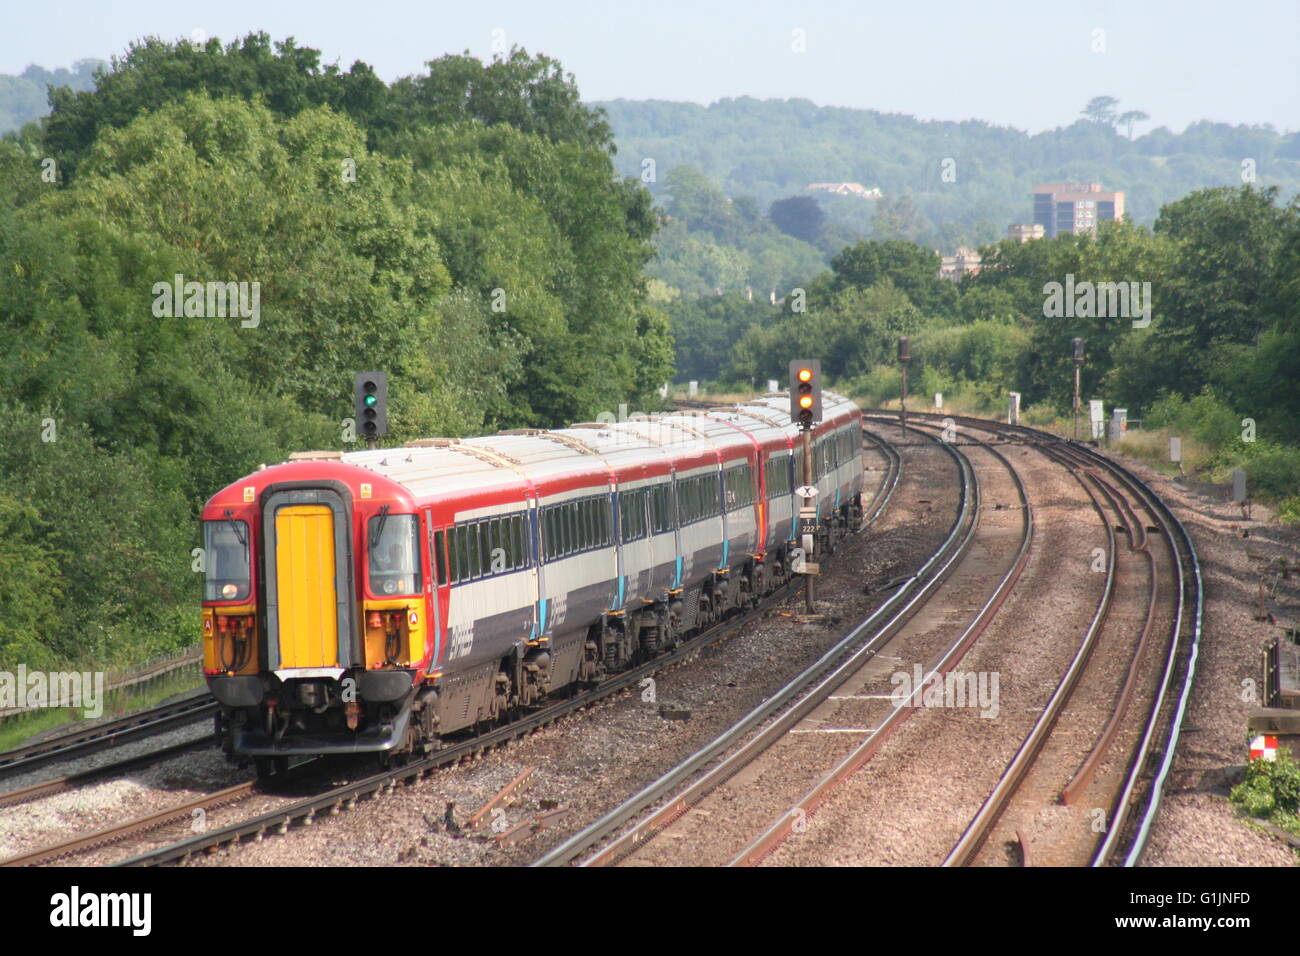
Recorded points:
(533,94)
(1131,119)
(898,217)
(1101,109)
(913,269)
(799,216)
(1221,285)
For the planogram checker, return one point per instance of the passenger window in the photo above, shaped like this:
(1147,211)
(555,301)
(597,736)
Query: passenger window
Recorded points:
(517,541)
(462,554)
(472,566)
(440,557)
(493,553)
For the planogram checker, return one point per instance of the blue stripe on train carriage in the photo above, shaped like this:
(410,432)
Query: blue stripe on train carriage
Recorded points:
(677,575)
(622,579)
(726,550)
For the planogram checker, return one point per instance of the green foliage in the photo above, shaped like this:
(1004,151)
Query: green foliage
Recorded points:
(1203,417)
(30,585)
(1271,789)
(911,268)
(850,334)
(464,230)
(1198,369)
(1272,469)
(799,216)
(1222,278)
(710,244)
(97,543)
(877,387)
(983,351)
(1289,510)
(705,328)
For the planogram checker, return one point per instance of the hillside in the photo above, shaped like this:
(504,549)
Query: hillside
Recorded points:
(771,149)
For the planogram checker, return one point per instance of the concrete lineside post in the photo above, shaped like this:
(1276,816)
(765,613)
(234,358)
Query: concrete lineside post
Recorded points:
(1076,345)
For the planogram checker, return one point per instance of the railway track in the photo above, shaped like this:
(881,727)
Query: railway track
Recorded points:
(1119,498)
(105,736)
(1114,491)
(337,799)
(803,707)
(72,781)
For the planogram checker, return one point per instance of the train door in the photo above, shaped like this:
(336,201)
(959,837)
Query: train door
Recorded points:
(440,593)
(304,539)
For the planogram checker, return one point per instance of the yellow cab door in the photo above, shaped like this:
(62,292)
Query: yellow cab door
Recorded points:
(305,586)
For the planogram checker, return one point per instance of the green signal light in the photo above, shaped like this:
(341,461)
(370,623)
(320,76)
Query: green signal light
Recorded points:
(370,401)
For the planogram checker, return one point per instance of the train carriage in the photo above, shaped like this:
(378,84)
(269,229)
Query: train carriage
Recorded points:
(382,599)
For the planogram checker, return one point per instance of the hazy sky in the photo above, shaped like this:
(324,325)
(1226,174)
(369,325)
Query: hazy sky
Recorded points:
(1026,64)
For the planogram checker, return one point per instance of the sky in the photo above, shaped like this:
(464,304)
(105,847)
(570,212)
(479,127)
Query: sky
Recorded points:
(1024,63)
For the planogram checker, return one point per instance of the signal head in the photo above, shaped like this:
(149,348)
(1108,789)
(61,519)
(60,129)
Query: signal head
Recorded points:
(371,395)
(805,391)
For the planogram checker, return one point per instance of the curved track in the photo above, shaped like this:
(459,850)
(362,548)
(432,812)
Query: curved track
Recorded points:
(785,709)
(1162,575)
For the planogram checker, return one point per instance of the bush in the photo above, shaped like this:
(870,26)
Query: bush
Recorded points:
(1271,789)
(1203,417)
(1289,510)
(1274,470)
(877,387)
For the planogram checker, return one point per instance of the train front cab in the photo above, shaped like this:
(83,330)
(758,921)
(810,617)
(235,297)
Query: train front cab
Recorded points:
(302,660)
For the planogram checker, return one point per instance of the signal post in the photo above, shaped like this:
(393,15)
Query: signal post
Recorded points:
(1076,349)
(805,410)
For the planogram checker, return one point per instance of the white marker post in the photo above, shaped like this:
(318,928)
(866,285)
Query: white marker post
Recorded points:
(1013,408)
(1097,415)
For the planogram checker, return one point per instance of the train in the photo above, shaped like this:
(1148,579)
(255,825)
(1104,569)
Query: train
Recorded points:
(383,601)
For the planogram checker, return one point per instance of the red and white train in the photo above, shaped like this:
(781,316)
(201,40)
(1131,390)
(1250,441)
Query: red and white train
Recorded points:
(379,600)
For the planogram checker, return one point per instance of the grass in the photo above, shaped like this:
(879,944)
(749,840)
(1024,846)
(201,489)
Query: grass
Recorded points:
(15,730)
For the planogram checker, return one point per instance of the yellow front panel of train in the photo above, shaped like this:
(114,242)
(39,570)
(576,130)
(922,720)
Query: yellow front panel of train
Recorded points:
(304,567)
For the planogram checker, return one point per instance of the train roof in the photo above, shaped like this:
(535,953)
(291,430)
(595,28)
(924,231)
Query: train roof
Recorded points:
(586,453)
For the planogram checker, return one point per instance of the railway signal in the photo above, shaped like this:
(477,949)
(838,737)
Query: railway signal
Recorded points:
(805,409)
(370,392)
(806,392)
